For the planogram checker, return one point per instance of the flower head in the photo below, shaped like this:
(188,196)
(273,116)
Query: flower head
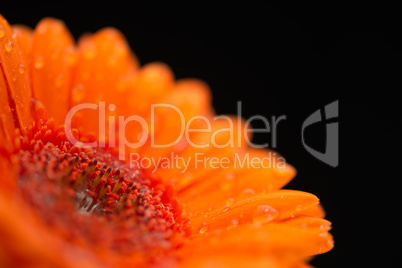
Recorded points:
(69,196)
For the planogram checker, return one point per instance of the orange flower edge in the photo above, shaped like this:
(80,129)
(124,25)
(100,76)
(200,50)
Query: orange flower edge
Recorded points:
(66,206)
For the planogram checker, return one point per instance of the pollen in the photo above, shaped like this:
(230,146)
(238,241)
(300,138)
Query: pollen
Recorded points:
(88,196)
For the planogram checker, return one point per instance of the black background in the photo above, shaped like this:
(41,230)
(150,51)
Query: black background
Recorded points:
(287,60)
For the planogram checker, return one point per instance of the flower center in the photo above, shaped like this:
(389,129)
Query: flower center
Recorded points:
(89,197)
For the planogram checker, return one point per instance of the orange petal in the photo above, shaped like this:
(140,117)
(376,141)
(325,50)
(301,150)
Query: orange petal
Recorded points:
(239,179)
(259,209)
(305,236)
(301,236)
(52,50)
(318,224)
(8,179)
(26,238)
(24,40)
(227,260)
(188,98)
(315,211)
(7,125)
(201,162)
(105,71)
(153,83)
(150,85)
(16,80)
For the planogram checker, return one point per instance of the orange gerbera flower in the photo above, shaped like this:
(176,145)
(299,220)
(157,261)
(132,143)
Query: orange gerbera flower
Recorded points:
(63,204)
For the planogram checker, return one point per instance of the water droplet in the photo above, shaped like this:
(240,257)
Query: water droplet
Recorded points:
(230,201)
(2,31)
(226,208)
(204,228)
(21,69)
(264,214)
(8,46)
(39,63)
(14,35)
(323,234)
(14,78)
(298,208)
(325,227)
(78,93)
(241,215)
(248,191)
(233,224)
